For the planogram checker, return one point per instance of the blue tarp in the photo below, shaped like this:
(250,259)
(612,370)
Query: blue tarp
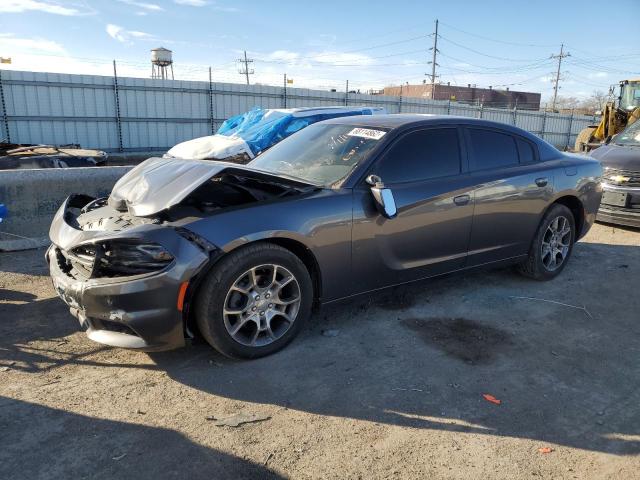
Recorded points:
(3,212)
(261,128)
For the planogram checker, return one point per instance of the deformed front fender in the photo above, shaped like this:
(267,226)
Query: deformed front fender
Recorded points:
(265,235)
(320,222)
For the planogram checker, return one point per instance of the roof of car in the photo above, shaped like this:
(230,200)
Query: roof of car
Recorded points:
(408,120)
(396,120)
(338,109)
(400,121)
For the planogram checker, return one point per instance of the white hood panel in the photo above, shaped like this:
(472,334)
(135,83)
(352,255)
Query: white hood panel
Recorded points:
(159,183)
(211,147)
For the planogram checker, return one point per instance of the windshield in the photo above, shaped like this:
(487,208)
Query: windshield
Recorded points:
(630,96)
(320,154)
(629,136)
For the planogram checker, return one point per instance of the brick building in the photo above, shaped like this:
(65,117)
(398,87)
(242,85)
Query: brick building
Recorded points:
(488,97)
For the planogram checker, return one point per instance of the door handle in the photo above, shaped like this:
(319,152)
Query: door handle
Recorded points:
(461,199)
(542,181)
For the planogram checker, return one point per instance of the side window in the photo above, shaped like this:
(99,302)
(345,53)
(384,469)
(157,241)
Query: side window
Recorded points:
(490,149)
(422,155)
(525,149)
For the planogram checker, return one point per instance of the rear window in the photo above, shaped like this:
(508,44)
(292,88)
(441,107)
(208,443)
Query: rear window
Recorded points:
(491,149)
(526,151)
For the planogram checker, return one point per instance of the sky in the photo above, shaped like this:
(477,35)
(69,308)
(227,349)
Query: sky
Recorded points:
(323,44)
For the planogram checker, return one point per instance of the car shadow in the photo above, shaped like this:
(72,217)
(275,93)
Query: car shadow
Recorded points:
(30,447)
(35,335)
(561,356)
(425,355)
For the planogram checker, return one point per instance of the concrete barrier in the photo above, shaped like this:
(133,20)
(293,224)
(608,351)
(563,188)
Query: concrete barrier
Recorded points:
(32,197)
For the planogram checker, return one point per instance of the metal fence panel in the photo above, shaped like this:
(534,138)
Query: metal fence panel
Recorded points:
(156,114)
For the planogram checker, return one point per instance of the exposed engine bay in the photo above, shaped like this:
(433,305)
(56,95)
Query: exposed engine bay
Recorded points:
(225,190)
(230,190)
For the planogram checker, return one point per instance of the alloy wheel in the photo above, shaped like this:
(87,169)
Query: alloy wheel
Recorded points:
(556,243)
(261,305)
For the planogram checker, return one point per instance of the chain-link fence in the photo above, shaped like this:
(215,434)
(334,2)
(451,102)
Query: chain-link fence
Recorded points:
(117,113)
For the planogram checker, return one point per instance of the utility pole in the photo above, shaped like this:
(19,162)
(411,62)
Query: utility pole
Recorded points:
(245,70)
(433,62)
(557,80)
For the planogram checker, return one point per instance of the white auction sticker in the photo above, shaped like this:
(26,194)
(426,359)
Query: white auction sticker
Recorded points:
(367,133)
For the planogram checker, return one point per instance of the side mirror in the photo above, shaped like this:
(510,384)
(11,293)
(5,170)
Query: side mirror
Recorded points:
(385,203)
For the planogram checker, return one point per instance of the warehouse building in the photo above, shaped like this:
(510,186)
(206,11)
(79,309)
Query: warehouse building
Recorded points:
(489,97)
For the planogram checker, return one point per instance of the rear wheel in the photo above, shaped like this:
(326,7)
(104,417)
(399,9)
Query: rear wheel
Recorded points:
(552,245)
(254,301)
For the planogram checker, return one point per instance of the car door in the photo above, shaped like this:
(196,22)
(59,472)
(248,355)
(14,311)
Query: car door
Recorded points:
(512,191)
(430,234)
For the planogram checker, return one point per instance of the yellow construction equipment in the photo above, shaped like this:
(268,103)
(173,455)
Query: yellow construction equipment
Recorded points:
(614,117)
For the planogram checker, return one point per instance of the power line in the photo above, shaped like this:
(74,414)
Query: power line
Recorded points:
(588,65)
(295,61)
(500,69)
(484,54)
(495,40)
(370,48)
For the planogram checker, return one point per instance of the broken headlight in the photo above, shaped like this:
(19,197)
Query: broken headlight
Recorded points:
(116,258)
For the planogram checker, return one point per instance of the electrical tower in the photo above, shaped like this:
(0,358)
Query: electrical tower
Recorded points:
(556,82)
(433,62)
(244,69)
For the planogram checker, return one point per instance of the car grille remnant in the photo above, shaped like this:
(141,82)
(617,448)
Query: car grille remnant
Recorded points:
(621,178)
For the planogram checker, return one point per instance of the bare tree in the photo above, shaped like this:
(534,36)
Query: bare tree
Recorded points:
(564,104)
(595,101)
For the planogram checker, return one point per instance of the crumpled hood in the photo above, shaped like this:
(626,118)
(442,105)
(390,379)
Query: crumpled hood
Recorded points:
(618,156)
(159,183)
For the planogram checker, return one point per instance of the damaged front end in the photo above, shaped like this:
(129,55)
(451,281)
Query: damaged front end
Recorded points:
(122,276)
(125,265)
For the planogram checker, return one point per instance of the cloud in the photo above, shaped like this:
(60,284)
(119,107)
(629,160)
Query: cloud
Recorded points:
(598,75)
(151,7)
(191,3)
(205,3)
(283,55)
(122,35)
(342,58)
(21,6)
(32,62)
(116,32)
(13,45)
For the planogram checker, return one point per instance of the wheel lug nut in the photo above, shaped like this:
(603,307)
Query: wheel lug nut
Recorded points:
(271,305)
(253,309)
(261,313)
(267,295)
(257,297)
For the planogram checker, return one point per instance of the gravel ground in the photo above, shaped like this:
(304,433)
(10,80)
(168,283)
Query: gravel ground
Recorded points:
(384,387)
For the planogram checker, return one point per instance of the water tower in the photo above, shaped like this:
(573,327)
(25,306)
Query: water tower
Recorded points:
(161,63)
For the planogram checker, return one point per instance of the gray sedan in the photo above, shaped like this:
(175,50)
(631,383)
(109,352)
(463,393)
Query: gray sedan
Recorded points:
(240,254)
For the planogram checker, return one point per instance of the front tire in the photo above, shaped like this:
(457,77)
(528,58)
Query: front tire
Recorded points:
(254,301)
(552,244)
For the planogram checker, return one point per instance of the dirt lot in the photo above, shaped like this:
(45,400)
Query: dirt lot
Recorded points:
(394,391)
